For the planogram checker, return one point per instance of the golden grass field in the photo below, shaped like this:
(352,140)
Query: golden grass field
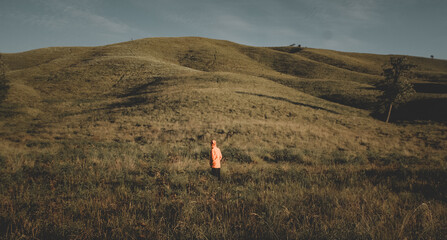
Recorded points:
(112,142)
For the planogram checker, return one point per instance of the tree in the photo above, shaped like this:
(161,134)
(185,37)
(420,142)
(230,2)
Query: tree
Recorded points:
(3,81)
(396,86)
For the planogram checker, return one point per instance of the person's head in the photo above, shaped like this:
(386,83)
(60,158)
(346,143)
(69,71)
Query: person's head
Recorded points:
(213,143)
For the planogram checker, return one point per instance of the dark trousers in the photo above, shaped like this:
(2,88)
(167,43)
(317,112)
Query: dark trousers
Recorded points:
(215,172)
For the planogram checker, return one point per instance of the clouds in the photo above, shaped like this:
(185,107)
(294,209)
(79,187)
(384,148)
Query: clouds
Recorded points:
(338,20)
(92,20)
(62,23)
(82,16)
(347,25)
(351,10)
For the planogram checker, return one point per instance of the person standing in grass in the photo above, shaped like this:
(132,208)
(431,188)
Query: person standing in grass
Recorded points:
(215,158)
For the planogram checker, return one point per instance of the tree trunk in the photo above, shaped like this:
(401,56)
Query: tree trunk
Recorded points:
(389,113)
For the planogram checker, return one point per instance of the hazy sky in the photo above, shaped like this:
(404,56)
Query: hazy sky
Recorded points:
(411,27)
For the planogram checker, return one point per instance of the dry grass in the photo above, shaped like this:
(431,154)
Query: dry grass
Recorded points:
(119,190)
(112,142)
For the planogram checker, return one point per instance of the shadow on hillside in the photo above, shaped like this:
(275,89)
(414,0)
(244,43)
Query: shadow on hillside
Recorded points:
(434,109)
(141,89)
(132,97)
(131,102)
(426,182)
(364,102)
(128,102)
(430,87)
(289,101)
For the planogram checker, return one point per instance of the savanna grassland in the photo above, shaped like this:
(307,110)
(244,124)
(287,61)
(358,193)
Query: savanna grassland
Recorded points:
(112,142)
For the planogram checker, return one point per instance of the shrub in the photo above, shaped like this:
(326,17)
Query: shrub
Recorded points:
(236,155)
(341,157)
(285,155)
(392,159)
(204,153)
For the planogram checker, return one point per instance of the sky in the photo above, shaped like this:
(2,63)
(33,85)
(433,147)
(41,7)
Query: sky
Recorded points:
(408,27)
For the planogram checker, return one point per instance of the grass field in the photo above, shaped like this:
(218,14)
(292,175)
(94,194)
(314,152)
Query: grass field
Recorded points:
(112,142)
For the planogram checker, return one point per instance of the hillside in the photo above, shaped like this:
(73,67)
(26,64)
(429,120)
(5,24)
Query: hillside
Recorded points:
(202,87)
(143,112)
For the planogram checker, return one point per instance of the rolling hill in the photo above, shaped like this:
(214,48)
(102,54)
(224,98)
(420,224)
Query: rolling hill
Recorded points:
(196,87)
(131,122)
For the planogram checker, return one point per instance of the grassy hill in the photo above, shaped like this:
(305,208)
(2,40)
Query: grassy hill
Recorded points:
(112,142)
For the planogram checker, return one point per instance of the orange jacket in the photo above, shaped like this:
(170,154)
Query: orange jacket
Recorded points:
(215,155)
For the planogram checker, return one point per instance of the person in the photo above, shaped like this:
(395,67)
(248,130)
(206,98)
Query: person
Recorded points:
(215,159)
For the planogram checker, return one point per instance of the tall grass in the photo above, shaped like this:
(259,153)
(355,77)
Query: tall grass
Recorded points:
(114,191)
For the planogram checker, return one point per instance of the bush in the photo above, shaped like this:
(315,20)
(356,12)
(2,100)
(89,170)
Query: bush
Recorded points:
(393,159)
(236,155)
(285,155)
(342,157)
(204,153)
